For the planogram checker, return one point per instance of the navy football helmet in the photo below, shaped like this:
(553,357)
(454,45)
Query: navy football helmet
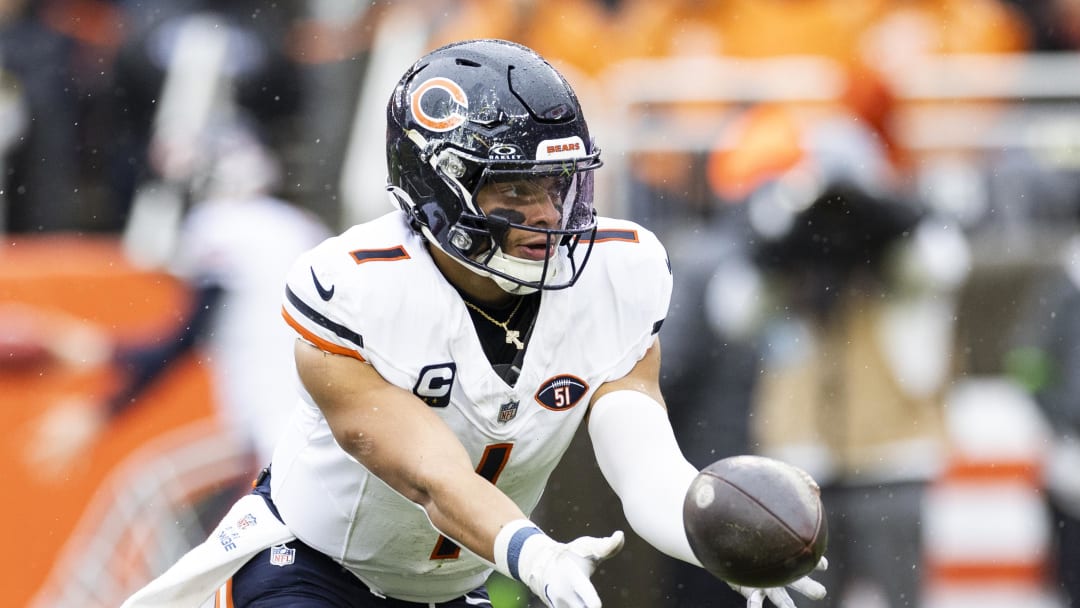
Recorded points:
(482,111)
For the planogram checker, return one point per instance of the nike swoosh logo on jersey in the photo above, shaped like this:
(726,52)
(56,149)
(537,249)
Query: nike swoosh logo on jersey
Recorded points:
(324,293)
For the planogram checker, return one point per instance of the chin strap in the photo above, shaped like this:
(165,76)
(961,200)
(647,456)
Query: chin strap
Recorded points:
(530,271)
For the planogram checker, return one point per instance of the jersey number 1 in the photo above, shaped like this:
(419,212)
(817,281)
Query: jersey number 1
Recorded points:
(491,465)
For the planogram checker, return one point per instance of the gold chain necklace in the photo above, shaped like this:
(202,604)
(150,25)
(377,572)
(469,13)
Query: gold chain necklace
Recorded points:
(513,336)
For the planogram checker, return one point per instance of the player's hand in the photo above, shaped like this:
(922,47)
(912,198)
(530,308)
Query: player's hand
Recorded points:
(755,597)
(559,573)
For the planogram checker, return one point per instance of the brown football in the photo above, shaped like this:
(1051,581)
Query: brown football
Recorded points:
(755,521)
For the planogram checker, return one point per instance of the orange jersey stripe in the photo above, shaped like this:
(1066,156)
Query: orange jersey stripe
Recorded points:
(223,597)
(326,345)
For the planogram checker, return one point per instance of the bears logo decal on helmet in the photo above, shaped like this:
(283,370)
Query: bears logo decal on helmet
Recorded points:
(448,105)
(567,147)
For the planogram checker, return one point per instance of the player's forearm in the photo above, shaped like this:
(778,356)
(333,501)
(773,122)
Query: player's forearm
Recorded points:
(369,417)
(462,505)
(472,513)
(639,457)
(435,472)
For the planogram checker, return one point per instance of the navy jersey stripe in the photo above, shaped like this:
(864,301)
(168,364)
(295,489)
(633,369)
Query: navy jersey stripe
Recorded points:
(629,236)
(379,255)
(315,316)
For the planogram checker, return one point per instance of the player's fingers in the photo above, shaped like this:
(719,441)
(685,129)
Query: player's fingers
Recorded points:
(597,550)
(585,591)
(809,587)
(755,599)
(779,597)
(823,564)
(608,547)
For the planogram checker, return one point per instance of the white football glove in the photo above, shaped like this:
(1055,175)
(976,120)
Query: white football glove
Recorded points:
(755,596)
(558,573)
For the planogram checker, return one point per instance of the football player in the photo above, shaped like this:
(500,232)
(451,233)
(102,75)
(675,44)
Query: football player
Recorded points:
(448,351)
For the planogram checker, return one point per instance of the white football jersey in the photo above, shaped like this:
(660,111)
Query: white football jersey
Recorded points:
(375,293)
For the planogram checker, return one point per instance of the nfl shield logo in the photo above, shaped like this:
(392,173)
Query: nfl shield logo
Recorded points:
(507,411)
(282,556)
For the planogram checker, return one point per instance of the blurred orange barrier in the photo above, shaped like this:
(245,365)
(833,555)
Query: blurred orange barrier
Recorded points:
(987,528)
(89,280)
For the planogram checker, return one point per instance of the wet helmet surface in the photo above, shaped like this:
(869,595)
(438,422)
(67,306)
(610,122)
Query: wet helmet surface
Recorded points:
(479,112)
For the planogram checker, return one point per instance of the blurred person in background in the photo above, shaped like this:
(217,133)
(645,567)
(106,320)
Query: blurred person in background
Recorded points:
(41,142)
(715,346)
(1044,357)
(183,63)
(848,290)
(234,246)
(81,79)
(336,47)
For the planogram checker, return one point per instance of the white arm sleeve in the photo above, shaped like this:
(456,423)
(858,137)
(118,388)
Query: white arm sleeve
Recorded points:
(637,453)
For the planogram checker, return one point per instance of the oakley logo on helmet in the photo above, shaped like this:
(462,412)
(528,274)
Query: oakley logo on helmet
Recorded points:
(505,152)
(555,149)
(439,104)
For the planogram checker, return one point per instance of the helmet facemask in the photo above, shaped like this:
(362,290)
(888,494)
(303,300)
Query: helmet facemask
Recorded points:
(478,240)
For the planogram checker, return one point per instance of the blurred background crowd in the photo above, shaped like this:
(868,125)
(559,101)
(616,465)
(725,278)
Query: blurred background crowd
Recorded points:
(872,210)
